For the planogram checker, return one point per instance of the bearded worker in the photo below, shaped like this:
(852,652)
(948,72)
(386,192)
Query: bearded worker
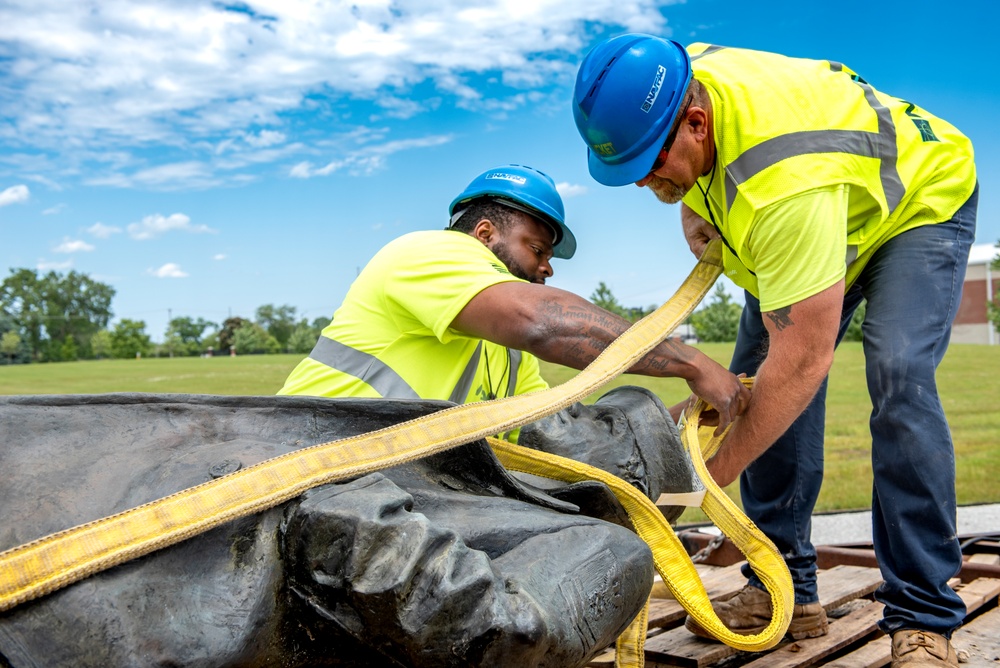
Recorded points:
(826,192)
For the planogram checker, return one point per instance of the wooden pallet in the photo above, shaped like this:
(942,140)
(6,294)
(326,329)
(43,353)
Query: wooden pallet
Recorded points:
(854,640)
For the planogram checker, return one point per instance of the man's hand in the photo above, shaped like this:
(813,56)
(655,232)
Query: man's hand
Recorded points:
(724,391)
(697,231)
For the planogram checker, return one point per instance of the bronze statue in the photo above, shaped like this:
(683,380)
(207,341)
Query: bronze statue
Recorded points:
(447,561)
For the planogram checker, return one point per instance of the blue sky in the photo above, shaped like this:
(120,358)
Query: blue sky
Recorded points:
(205,158)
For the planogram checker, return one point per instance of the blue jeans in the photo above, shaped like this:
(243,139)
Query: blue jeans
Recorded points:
(913,286)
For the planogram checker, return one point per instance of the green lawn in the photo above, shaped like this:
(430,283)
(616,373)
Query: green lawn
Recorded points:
(968,380)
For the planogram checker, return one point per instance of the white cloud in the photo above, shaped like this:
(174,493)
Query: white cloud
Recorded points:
(264,138)
(367,159)
(219,256)
(154,72)
(570,189)
(52,210)
(102,231)
(303,170)
(46,265)
(157,225)
(169,270)
(73,246)
(171,176)
(14,195)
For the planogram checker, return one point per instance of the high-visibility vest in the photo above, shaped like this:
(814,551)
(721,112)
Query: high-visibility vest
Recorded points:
(391,337)
(784,126)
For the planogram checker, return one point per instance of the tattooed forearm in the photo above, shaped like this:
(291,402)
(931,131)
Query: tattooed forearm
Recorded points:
(576,334)
(681,352)
(781,317)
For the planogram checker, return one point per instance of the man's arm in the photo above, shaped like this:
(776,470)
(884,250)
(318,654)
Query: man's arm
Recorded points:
(799,356)
(561,327)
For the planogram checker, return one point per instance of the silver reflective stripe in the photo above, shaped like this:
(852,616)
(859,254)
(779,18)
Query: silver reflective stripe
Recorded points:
(515,361)
(361,365)
(380,375)
(461,391)
(758,158)
(712,48)
(892,185)
(880,145)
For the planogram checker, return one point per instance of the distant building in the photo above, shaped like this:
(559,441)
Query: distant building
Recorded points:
(982,283)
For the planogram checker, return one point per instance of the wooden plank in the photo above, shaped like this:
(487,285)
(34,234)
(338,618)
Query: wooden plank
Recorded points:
(978,592)
(841,584)
(876,654)
(718,582)
(879,651)
(979,640)
(843,632)
(982,558)
(680,647)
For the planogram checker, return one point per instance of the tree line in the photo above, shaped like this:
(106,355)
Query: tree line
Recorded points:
(54,317)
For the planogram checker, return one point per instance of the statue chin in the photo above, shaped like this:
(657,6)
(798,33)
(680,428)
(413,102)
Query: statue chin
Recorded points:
(448,560)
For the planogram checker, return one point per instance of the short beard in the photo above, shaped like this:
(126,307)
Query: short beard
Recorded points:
(503,254)
(666,190)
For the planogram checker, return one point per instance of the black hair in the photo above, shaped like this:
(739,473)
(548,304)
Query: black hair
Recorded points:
(485,207)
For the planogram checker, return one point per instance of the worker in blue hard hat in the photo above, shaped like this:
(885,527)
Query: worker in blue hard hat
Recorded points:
(826,192)
(463,314)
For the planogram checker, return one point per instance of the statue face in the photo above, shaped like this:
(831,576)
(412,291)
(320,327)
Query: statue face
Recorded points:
(580,429)
(627,432)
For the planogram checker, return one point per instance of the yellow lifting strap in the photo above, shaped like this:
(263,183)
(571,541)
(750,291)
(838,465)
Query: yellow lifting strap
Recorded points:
(671,559)
(57,560)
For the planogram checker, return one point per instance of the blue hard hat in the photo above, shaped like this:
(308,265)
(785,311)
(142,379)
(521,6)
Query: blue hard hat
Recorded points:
(525,189)
(628,93)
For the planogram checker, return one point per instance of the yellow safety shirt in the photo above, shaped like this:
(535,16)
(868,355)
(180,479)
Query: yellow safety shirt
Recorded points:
(815,169)
(392,336)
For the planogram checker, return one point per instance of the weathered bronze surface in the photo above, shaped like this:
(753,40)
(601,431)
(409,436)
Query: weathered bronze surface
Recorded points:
(448,561)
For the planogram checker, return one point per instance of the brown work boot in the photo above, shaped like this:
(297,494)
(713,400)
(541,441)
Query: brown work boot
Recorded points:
(922,649)
(748,611)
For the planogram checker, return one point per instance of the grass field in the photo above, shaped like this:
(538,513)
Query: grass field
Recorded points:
(968,379)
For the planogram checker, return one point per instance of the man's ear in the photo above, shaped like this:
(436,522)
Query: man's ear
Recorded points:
(697,118)
(486,232)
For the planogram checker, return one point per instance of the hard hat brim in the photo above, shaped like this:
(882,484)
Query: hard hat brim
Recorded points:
(628,172)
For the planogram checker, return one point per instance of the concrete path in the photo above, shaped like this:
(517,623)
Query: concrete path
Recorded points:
(835,528)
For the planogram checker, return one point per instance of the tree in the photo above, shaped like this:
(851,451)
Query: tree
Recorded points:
(853,332)
(53,308)
(184,336)
(603,298)
(20,299)
(129,339)
(76,307)
(100,344)
(68,351)
(278,321)
(229,327)
(251,338)
(10,343)
(303,338)
(719,320)
(993,307)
